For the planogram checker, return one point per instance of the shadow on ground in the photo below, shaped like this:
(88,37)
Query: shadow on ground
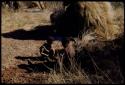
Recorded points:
(38,33)
(67,23)
(39,66)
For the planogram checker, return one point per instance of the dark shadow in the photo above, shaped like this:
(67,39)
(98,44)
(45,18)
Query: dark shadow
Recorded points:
(69,22)
(38,33)
(66,23)
(40,63)
(35,67)
(40,67)
(39,58)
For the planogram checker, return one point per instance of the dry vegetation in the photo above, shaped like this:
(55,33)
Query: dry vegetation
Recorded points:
(100,53)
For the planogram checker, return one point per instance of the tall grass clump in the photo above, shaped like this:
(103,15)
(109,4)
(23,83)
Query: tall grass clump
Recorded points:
(72,74)
(99,16)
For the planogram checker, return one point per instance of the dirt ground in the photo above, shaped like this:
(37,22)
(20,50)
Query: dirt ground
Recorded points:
(12,48)
(20,43)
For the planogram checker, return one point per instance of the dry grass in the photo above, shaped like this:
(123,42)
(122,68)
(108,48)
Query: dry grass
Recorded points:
(101,16)
(75,75)
(13,21)
(10,48)
(91,41)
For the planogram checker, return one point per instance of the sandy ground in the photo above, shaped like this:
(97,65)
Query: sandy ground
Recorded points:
(12,48)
